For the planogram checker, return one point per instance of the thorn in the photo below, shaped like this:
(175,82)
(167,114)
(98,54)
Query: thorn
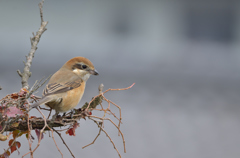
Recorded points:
(19,73)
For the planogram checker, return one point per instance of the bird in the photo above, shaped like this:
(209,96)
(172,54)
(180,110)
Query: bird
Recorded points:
(66,87)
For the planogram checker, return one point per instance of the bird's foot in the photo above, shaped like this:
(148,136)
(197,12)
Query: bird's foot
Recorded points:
(55,116)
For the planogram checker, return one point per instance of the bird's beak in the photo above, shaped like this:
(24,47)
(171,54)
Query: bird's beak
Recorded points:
(93,72)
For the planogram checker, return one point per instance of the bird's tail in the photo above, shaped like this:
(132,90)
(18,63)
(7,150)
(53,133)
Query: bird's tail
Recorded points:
(40,102)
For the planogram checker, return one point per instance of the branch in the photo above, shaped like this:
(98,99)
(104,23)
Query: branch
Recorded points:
(26,123)
(34,42)
(69,119)
(39,123)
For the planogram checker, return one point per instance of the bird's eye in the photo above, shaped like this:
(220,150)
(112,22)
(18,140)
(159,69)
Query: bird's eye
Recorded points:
(84,66)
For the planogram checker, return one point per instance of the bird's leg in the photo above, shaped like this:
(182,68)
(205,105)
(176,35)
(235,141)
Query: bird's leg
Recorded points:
(71,113)
(59,100)
(64,114)
(49,113)
(55,116)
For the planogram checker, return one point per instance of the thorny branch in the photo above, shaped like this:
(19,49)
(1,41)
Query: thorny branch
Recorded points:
(34,42)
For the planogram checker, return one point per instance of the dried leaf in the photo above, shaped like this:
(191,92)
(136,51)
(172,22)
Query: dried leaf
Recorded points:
(18,144)
(16,133)
(13,148)
(14,95)
(38,134)
(23,92)
(32,117)
(15,124)
(3,137)
(22,132)
(3,108)
(13,111)
(71,131)
(6,154)
(10,142)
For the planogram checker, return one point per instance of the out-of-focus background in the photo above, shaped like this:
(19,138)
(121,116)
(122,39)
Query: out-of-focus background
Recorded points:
(183,56)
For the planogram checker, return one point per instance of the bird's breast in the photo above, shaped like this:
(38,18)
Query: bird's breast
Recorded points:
(70,99)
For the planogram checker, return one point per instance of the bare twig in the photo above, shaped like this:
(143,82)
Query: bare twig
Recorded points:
(114,125)
(29,136)
(56,143)
(100,123)
(42,130)
(100,126)
(3,129)
(37,85)
(64,142)
(41,12)
(34,42)
(40,136)
(110,89)
(100,120)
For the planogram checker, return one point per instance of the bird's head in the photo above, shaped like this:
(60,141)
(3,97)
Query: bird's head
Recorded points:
(81,66)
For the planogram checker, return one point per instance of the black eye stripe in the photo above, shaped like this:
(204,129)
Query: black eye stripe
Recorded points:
(79,66)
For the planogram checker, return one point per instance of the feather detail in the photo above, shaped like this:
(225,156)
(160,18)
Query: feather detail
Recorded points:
(55,88)
(40,102)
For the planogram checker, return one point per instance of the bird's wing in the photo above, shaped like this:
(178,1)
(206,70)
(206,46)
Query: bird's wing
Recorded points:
(55,88)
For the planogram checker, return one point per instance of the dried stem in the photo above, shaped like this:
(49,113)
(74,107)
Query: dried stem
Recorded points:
(100,123)
(110,89)
(100,120)
(114,125)
(40,136)
(29,136)
(34,42)
(64,142)
(100,126)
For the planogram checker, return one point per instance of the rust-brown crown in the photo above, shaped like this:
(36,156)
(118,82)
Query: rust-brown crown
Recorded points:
(70,63)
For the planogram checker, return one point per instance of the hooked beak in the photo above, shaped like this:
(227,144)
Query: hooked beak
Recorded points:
(93,72)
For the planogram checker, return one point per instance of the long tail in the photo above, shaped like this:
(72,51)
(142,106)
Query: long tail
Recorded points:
(40,102)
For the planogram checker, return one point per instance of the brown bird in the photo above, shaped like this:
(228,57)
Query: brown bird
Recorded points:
(66,87)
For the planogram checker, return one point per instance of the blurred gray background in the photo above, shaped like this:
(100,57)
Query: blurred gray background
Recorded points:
(183,56)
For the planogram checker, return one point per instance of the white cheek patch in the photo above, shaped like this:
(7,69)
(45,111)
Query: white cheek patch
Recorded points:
(77,71)
(86,77)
